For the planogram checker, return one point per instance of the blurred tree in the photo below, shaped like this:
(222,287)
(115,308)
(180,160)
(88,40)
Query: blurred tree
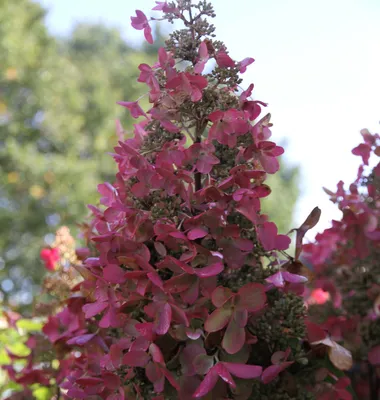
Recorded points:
(280,205)
(57,122)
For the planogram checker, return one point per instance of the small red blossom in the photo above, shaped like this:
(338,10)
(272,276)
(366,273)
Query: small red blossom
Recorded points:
(50,257)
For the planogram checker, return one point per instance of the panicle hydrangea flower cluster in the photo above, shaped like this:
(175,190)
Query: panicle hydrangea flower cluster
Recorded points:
(188,291)
(346,260)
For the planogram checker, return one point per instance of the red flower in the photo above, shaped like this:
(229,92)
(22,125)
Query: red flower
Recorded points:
(50,257)
(134,108)
(203,58)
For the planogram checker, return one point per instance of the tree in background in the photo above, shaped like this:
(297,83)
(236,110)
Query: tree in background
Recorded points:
(57,117)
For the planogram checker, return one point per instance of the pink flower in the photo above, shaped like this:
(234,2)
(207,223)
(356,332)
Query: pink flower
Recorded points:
(201,156)
(163,6)
(191,85)
(318,296)
(364,151)
(134,108)
(252,107)
(280,278)
(267,153)
(232,311)
(203,58)
(140,22)
(224,60)
(244,64)
(270,239)
(227,125)
(148,76)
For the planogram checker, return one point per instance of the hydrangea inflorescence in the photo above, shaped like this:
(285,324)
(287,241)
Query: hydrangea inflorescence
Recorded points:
(346,259)
(188,291)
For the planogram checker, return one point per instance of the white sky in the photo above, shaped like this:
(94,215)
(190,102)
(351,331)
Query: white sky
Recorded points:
(317,65)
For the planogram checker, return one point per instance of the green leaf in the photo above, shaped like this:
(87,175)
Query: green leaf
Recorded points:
(29,325)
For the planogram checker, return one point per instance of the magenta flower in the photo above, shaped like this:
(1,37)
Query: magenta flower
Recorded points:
(140,22)
(134,108)
(267,153)
(163,6)
(270,239)
(203,58)
(280,278)
(224,60)
(227,125)
(251,107)
(190,85)
(364,151)
(148,76)
(244,64)
(201,156)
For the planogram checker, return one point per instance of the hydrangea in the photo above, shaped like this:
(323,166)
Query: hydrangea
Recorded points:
(187,289)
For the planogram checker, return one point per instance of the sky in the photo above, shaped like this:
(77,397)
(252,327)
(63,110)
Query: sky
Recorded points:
(317,66)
